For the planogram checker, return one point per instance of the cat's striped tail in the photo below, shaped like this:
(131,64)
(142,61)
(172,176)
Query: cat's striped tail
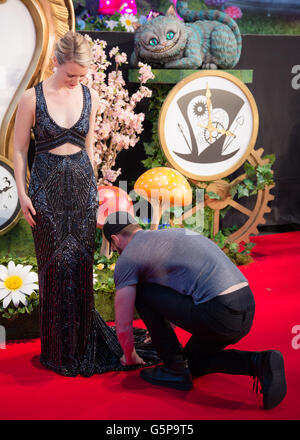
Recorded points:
(191,16)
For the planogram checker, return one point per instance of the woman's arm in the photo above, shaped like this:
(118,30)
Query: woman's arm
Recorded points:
(23,124)
(90,139)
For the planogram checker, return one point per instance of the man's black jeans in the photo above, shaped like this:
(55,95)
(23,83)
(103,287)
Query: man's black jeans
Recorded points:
(214,325)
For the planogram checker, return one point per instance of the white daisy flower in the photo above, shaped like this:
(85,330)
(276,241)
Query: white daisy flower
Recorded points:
(111,24)
(127,21)
(15,283)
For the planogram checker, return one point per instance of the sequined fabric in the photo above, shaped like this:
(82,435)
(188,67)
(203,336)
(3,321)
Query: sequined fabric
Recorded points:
(63,190)
(74,338)
(48,134)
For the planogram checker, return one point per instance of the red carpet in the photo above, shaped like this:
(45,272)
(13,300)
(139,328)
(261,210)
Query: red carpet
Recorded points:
(30,392)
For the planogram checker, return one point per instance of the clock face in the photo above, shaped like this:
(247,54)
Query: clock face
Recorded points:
(9,201)
(208,125)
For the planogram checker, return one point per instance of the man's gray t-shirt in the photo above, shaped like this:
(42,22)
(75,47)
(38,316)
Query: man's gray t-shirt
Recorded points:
(178,258)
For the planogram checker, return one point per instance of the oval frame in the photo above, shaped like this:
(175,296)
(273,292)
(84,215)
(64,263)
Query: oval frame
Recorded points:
(14,219)
(168,101)
(51,18)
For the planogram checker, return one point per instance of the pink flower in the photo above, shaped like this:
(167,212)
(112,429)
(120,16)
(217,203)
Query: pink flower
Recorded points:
(105,130)
(234,12)
(99,76)
(145,72)
(110,175)
(116,124)
(136,97)
(117,78)
(121,58)
(146,93)
(114,51)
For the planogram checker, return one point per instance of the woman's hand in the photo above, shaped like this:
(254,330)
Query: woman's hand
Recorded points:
(28,209)
(134,359)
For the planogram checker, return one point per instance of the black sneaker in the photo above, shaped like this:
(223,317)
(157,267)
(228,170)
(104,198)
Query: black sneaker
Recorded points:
(268,367)
(166,377)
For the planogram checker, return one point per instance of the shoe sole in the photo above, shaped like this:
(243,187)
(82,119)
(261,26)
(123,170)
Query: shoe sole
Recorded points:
(278,384)
(177,386)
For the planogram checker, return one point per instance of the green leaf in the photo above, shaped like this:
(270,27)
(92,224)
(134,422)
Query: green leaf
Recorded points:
(270,157)
(265,169)
(247,248)
(224,211)
(220,239)
(242,191)
(249,184)
(213,195)
(249,169)
(149,149)
(233,191)
(6,315)
(156,163)
(228,231)
(147,162)
(260,181)
(233,247)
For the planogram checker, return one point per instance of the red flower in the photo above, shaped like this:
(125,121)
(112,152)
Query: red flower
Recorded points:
(234,12)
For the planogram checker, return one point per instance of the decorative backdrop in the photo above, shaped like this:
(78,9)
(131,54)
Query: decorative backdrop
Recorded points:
(276,88)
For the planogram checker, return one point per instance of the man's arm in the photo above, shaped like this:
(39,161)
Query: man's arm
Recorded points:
(124,313)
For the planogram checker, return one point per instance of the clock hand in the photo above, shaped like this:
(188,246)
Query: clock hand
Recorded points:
(226,132)
(210,126)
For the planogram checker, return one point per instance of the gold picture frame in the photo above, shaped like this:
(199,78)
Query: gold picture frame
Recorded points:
(52,19)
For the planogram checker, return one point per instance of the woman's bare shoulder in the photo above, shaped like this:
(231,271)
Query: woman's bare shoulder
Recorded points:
(94,97)
(94,93)
(28,97)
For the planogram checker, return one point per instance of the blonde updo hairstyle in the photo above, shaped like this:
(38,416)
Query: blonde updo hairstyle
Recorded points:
(73,47)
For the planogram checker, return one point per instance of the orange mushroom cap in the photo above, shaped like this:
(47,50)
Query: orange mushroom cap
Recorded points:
(164,184)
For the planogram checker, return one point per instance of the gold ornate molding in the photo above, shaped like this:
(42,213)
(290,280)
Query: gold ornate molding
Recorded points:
(52,19)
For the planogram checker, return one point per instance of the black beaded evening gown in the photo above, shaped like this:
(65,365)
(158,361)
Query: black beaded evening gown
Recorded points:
(63,190)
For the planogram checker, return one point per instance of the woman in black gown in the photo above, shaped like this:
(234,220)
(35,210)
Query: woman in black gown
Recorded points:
(61,207)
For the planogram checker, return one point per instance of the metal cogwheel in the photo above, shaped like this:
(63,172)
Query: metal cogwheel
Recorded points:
(215,134)
(255,216)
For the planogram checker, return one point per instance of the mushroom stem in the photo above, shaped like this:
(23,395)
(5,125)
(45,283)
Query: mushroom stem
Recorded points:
(159,208)
(105,247)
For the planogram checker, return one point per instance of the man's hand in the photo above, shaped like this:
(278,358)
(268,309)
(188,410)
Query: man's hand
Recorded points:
(132,360)
(148,338)
(124,312)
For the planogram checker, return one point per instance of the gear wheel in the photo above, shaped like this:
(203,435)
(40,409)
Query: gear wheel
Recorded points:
(255,216)
(222,188)
(215,134)
(261,206)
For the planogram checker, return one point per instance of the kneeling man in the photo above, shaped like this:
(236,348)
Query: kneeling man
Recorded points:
(179,276)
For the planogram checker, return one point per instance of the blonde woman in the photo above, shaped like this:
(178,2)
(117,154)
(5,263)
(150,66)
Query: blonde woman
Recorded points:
(61,208)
